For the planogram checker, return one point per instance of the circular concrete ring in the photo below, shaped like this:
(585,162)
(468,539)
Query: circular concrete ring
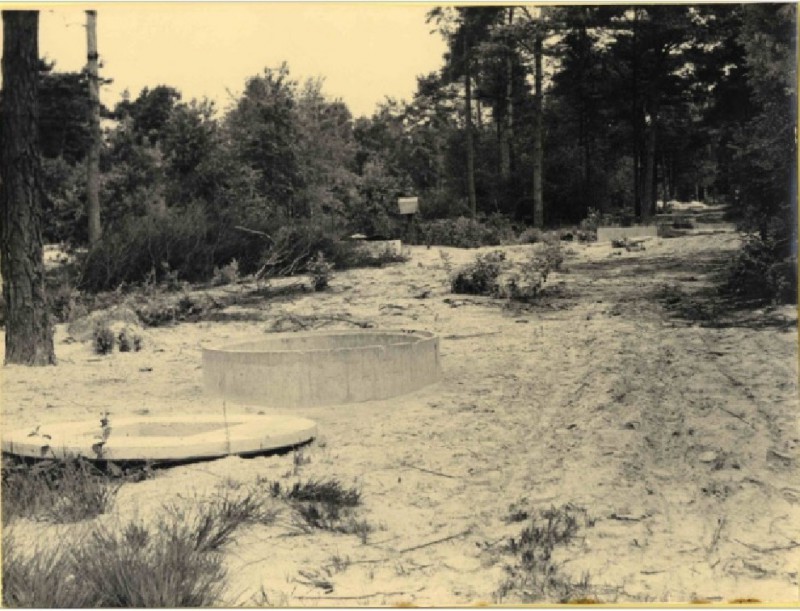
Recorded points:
(161,438)
(309,369)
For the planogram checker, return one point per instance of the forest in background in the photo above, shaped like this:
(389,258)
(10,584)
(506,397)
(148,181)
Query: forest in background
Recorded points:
(537,117)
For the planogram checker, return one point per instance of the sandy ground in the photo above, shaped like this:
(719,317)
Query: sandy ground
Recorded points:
(680,440)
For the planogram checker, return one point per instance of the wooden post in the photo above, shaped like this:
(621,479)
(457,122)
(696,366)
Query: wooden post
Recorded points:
(93,158)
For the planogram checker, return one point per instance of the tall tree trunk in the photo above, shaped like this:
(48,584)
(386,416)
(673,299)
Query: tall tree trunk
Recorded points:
(649,192)
(636,118)
(93,157)
(473,200)
(538,154)
(507,121)
(29,335)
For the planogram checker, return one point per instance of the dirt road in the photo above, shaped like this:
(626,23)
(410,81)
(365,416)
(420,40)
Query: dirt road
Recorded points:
(678,435)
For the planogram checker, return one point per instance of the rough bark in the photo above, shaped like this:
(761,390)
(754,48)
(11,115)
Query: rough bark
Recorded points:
(29,335)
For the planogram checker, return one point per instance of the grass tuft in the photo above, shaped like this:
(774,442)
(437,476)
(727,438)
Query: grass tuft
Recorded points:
(534,575)
(59,491)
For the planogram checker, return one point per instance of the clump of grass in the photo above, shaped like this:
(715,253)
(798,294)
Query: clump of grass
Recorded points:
(41,579)
(172,563)
(325,505)
(212,524)
(330,492)
(534,575)
(59,491)
(139,567)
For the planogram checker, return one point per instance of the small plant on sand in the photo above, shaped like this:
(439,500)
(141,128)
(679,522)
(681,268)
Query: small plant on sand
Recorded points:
(325,505)
(129,341)
(534,575)
(212,523)
(320,271)
(528,278)
(102,339)
(227,274)
(56,491)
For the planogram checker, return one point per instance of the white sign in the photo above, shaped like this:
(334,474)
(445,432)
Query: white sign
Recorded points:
(408,205)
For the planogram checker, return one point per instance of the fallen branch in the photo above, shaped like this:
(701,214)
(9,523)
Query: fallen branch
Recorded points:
(766,550)
(306,322)
(424,470)
(254,232)
(362,597)
(735,415)
(470,335)
(434,542)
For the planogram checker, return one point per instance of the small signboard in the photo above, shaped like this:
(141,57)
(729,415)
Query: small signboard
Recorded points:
(408,205)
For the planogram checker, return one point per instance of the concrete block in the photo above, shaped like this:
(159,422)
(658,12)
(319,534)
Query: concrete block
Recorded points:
(606,234)
(307,369)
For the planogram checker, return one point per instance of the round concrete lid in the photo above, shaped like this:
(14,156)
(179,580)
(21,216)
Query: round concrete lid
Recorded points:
(161,438)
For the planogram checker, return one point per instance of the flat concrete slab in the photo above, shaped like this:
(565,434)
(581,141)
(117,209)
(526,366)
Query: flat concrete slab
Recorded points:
(330,368)
(377,248)
(161,438)
(606,234)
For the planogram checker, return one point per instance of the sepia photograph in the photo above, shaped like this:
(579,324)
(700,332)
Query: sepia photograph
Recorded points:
(361,304)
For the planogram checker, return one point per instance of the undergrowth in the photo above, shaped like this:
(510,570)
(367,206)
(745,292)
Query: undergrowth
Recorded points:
(491,274)
(174,562)
(59,491)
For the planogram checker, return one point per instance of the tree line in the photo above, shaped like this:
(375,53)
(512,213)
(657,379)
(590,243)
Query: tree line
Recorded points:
(537,116)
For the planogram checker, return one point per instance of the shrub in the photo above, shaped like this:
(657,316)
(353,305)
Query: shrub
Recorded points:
(531,235)
(463,232)
(178,244)
(764,269)
(480,276)
(128,341)
(593,220)
(166,309)
(227,274)
(102,339)
(489,274)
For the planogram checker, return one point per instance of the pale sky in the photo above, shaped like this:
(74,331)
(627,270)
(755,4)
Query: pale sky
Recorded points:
(365,51)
